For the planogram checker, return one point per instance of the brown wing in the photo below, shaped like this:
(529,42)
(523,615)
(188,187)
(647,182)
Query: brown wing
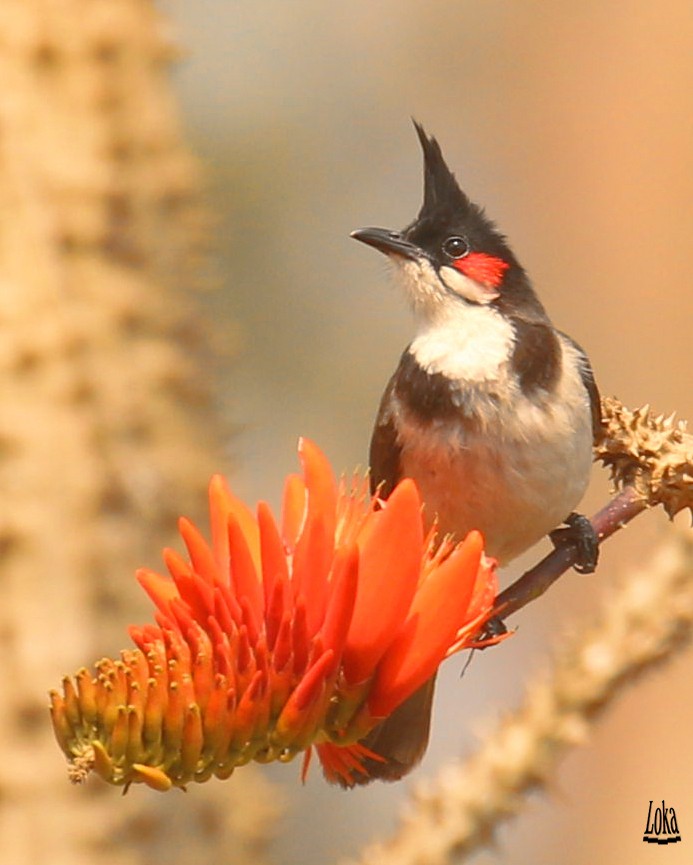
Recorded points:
(587,376)
(385,450)
(401,739)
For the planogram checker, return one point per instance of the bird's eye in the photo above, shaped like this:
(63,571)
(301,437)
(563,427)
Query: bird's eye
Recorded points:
(456,247)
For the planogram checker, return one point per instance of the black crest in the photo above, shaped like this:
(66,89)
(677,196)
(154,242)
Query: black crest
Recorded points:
(443,198)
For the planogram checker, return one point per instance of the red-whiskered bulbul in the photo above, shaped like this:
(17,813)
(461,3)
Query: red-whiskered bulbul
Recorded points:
(492,411)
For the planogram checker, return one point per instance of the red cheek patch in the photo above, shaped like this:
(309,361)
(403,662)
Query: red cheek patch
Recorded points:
(486,269)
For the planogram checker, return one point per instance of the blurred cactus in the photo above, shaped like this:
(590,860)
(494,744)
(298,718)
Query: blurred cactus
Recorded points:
(106,419)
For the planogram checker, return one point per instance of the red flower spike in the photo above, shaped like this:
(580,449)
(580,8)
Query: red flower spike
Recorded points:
(270,643)
(393,535)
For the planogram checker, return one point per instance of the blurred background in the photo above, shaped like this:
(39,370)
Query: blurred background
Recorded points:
(572,124)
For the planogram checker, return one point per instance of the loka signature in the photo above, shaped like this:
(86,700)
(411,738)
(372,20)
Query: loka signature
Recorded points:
(662,826)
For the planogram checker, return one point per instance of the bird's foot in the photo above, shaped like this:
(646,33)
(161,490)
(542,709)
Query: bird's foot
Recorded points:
(580,534)
(494,630)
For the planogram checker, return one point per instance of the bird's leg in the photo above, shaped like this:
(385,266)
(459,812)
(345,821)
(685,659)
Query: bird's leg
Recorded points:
(580,534)
(531,585)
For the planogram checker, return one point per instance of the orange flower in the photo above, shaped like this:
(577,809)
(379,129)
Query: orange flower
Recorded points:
(272,640)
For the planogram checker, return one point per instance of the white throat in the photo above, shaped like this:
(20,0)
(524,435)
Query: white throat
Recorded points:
(464,341)
(461,337)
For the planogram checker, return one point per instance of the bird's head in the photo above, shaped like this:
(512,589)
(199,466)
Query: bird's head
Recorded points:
(452,254)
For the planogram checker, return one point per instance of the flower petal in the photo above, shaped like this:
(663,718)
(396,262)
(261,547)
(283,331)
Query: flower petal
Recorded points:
(315,545)
(307,692)
(311,565)
(201,557)
(438,612)
(245,574)
(153,777)
(340,763)
(293,510)
(223,504)
(160,589)
(272,554)
(320,483)
(390,563)
(342,599)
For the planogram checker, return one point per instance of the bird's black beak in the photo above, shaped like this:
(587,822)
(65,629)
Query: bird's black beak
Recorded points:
(387,241)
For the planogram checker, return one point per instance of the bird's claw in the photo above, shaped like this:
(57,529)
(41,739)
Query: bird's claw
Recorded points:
(579,533)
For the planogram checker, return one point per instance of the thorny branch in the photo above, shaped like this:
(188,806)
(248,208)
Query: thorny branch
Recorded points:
(533,583)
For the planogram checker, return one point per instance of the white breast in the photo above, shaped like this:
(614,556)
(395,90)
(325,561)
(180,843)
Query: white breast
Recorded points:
(522,471)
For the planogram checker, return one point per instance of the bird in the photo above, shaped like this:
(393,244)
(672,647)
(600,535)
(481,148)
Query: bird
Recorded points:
(492,411)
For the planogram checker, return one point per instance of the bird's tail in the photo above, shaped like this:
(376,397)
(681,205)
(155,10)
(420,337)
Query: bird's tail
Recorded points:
(392,749)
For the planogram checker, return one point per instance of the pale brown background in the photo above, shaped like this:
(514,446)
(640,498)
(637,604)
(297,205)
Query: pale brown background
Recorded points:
(572,124)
